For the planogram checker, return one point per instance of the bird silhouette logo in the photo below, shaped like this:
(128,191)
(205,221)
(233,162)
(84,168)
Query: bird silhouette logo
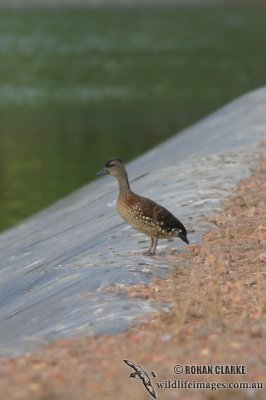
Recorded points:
(140,373)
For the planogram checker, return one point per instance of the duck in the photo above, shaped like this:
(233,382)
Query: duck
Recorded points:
(143,214)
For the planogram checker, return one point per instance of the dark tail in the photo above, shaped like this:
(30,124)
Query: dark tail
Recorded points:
(183,236)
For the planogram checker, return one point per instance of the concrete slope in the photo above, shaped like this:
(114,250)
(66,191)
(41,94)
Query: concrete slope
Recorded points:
(55,267)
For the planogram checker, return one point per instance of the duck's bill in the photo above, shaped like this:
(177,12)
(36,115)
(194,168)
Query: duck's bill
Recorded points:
(103,171)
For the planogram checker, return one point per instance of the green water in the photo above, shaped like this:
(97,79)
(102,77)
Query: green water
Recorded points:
(77,87)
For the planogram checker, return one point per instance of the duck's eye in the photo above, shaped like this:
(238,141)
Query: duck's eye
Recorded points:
(110,165)
(113,162)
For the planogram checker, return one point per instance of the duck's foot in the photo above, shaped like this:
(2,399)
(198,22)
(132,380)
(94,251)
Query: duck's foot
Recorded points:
(148,253)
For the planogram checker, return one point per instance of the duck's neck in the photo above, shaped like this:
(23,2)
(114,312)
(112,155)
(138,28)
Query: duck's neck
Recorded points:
(123,183)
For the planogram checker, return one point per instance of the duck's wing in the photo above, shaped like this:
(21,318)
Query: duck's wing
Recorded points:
(160,216)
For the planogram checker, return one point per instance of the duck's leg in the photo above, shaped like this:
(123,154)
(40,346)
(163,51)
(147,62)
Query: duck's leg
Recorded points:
(154,241)
(152,249)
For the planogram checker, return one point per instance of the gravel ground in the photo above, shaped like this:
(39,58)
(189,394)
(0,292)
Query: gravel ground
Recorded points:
(215,317)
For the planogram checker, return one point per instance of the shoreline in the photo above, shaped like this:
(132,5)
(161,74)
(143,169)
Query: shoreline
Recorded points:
(215,315)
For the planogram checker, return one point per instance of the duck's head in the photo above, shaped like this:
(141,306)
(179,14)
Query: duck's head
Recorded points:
(114,167)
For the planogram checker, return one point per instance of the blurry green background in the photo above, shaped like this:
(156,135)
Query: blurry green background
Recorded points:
(80,86)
